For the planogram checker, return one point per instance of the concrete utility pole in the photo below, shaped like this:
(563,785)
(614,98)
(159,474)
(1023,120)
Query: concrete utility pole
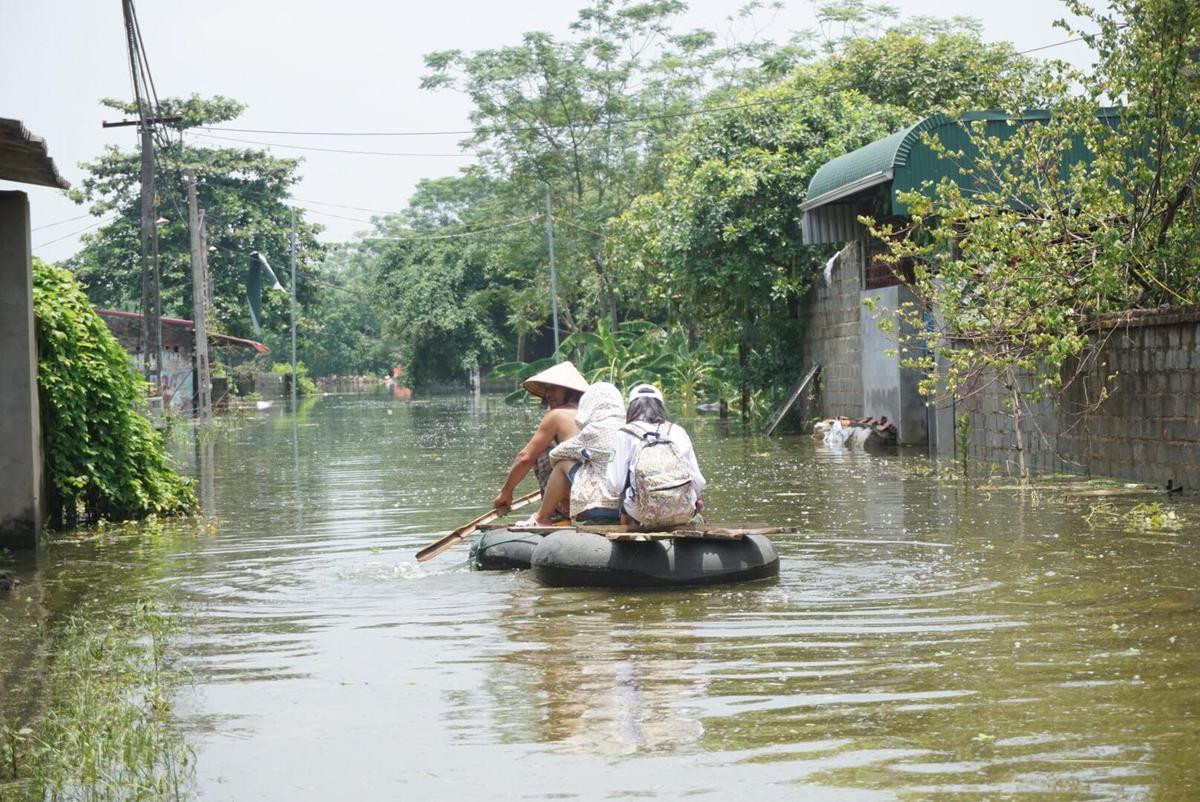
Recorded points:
(199,314)
(150,336)
(150,340)
(553,274)
(293,309)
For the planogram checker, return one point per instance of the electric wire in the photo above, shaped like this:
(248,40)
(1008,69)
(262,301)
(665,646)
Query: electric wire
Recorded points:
(60,222)
(332,150)
(101,222)
(618,121)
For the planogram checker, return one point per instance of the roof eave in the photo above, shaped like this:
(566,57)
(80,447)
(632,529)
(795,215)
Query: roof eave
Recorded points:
(846,190)
(24,158)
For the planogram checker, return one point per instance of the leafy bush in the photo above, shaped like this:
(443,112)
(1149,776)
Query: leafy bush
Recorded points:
(104,458)
(304,385)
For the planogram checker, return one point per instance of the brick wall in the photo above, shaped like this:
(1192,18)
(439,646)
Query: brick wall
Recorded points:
(1147,430)
(832,338)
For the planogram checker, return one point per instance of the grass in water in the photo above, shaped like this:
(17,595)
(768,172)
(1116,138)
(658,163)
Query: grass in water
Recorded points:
(105,731)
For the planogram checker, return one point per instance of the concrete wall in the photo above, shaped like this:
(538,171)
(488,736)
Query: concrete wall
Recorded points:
(22,500)
(889,389)
(1147,430)
(859,376)
(178,343)
(832,337)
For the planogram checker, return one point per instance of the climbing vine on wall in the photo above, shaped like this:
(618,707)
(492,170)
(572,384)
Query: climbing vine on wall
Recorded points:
(103,458)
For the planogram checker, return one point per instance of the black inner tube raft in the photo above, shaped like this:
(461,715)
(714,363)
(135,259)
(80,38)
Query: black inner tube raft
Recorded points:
(585,559)
(504,549)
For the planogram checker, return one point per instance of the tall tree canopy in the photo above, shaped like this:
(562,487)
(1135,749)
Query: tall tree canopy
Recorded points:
(244,195)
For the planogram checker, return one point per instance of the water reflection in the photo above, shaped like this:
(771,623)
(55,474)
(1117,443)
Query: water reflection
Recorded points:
(924,640)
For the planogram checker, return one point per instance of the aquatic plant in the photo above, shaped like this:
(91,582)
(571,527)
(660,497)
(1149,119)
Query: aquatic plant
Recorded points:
(104,459)
(106,732)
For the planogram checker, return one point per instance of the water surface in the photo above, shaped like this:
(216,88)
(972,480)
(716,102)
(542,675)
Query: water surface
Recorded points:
(924,640)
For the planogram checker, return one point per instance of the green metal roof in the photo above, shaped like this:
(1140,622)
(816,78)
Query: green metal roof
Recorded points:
(906,162)
(869,165)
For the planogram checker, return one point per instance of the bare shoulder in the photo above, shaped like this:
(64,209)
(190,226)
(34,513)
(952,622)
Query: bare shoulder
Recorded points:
(561,422)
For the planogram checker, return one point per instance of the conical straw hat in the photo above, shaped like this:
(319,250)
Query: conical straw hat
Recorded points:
(564,374)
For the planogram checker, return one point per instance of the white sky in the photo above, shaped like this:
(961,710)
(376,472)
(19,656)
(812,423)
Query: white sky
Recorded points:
(317,65)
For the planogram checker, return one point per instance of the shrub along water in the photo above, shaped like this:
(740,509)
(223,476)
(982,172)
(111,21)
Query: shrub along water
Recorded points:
(104,459)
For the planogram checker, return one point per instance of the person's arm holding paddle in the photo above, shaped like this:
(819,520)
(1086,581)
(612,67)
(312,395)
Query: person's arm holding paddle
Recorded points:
(553,424)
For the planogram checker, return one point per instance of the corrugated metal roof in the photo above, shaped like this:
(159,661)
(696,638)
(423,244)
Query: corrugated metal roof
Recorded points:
(905,162)
(24,158)
(213,338)
(869,165)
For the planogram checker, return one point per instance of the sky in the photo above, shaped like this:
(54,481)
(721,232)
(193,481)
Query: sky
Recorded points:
(315,65)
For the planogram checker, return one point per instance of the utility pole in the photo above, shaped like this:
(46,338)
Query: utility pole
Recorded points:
(150,336)
(553,274)
(293,309)
(199,314)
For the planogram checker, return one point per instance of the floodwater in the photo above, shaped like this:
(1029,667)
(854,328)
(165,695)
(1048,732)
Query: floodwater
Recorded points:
(924,640)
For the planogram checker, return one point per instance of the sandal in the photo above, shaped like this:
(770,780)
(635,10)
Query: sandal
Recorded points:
(529,523)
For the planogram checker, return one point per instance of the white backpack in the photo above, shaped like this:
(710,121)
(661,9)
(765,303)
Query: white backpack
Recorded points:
(659,480)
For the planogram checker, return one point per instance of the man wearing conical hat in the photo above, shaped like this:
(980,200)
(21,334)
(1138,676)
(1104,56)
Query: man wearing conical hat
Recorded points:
(560,388)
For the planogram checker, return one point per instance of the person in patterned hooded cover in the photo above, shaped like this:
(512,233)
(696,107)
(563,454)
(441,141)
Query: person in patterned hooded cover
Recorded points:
(579,479)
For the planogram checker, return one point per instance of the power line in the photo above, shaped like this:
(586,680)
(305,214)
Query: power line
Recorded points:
(334,150)
(73,233)
(618,121)
(511,224)
(1047,47)
(60,222)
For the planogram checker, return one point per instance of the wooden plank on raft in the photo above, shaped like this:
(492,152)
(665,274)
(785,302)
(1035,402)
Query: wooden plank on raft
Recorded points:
(633,533)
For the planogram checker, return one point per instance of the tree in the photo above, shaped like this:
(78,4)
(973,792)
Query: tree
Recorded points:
(1052,221)
(244,194)
(588,119)
(720,243)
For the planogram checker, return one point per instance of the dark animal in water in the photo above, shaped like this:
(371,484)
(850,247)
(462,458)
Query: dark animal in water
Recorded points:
(8,583)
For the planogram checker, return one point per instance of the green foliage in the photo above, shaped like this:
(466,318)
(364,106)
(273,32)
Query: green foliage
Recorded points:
(243,192)
(637,351)
(108,732)
(588,117)
(444,309)
(304,385)
(1028,247)
(103,457)
(342,332)
(719,245)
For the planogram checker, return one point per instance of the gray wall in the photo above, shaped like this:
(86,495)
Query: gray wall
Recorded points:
(889,389)
(832,337)
(860,377)
(22,501)
(1147,430)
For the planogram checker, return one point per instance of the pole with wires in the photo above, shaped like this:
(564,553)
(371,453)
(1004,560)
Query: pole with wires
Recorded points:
(553,274)
(293,286)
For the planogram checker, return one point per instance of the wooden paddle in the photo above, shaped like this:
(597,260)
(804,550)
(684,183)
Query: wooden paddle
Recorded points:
(446,541)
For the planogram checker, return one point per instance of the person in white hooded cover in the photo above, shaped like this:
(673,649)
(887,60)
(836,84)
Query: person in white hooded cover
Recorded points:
(579,480)
(673,496)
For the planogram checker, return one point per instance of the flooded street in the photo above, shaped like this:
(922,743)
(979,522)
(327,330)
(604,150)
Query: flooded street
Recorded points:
(924,640)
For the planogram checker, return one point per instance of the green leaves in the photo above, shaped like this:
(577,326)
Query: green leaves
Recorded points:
(103,458)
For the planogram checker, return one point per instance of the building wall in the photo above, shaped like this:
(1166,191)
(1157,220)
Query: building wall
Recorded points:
(1147,430)
(22,496)
(889,389)
(177,375)
(832,338)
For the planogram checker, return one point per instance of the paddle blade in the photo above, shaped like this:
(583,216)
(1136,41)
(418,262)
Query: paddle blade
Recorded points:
(438,546)
(446,541)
